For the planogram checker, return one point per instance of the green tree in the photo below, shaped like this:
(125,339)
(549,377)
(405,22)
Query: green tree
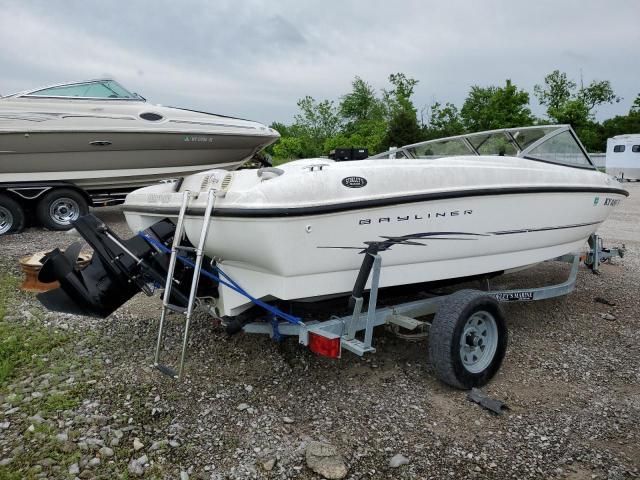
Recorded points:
(621,124)
(399,97)
(364,121)
(562,98)
(317,120)
(566,103)
(289,148)
(635,107)
(488,108)
(403,127)
(573,112)
(597,93)
(557,89)
(283,130)
(361,104)
(313,125)
(443,121)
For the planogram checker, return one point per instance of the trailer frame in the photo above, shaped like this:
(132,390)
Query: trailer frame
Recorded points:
(341,332)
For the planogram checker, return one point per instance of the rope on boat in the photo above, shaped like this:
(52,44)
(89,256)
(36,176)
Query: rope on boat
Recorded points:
(229,282)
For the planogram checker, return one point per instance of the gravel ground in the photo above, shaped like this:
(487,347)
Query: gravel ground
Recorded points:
(249,408)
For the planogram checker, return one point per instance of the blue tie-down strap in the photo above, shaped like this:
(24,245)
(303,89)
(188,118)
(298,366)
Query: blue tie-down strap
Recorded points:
(275,327)
(227,282)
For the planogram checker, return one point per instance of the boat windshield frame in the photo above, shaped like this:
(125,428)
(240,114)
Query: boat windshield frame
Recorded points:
(134,97)
(510,138)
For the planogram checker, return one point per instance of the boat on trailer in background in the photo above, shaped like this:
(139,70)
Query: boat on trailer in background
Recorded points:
(68,146)
(449,209)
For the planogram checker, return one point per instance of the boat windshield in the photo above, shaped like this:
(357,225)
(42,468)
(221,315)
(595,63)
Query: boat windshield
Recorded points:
(549,143)
(97,89)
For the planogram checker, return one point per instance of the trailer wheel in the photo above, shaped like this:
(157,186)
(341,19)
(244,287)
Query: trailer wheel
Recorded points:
(11,215)
(467,339)
(58,208)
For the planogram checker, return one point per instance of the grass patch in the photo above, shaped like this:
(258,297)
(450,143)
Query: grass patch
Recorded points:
(6,474)
(60,401)
(22,345)
(28,348)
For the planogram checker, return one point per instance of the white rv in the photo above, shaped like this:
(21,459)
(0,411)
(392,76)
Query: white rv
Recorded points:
(623,157)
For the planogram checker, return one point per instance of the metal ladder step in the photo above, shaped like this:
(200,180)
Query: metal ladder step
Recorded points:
(176,308)
(168,371)
(186,248)
(166,305)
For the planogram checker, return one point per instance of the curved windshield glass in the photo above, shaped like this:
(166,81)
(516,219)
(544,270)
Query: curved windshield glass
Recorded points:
(493,144)
(561,148)
(440,148)
(551,143)
(105,89)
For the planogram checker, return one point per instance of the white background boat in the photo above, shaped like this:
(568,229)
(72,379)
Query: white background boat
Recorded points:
(99,136)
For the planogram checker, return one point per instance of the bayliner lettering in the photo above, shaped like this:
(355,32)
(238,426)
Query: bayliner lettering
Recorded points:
(354,182)
(415,217)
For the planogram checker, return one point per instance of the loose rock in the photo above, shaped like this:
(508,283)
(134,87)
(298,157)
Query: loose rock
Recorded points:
(325,460)
(106,452)
(135,468)
(269,464)
(398,460)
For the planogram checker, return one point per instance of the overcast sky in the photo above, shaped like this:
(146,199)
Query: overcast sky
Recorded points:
(254,59)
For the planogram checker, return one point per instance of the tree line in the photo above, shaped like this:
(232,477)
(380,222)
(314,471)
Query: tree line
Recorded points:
(379,120)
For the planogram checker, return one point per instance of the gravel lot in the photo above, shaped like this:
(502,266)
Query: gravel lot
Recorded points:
(249,407)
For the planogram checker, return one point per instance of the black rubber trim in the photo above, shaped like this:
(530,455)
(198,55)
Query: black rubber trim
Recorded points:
(378,202)
(52,183)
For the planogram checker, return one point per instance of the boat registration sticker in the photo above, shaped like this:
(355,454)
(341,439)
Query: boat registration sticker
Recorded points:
(354,182)
(198,139)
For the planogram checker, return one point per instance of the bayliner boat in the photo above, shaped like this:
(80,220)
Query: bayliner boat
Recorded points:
(452,208)
(98,135)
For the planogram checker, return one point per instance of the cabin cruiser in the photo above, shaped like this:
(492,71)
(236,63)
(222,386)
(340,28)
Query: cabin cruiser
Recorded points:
(99,136)
(463,206)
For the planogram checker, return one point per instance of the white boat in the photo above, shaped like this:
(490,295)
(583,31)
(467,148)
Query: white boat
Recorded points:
(99,136)
(444,209)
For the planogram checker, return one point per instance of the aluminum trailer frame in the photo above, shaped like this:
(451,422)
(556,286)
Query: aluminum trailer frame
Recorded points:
(344,329)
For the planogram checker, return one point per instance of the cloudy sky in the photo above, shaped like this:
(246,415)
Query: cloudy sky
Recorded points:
(255,58)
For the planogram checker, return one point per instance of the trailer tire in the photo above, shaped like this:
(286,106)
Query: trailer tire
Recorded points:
(58,208)
(12,216)
(467,339)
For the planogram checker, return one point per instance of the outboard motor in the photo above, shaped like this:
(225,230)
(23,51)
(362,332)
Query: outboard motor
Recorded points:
(118,270)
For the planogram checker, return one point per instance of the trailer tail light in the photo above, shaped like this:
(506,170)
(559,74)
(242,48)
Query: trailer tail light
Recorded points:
(324,346)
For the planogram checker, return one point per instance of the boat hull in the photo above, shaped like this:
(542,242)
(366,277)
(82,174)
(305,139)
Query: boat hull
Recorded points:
(301,256)
(104,160)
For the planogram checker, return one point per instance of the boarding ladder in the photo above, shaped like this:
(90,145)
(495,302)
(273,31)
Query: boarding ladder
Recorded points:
(177,248)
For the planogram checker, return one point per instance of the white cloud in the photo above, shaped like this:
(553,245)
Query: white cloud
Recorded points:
(255,59)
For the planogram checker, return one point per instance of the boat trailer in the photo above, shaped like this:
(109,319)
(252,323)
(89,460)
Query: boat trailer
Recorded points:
(328,338)
(467,332)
